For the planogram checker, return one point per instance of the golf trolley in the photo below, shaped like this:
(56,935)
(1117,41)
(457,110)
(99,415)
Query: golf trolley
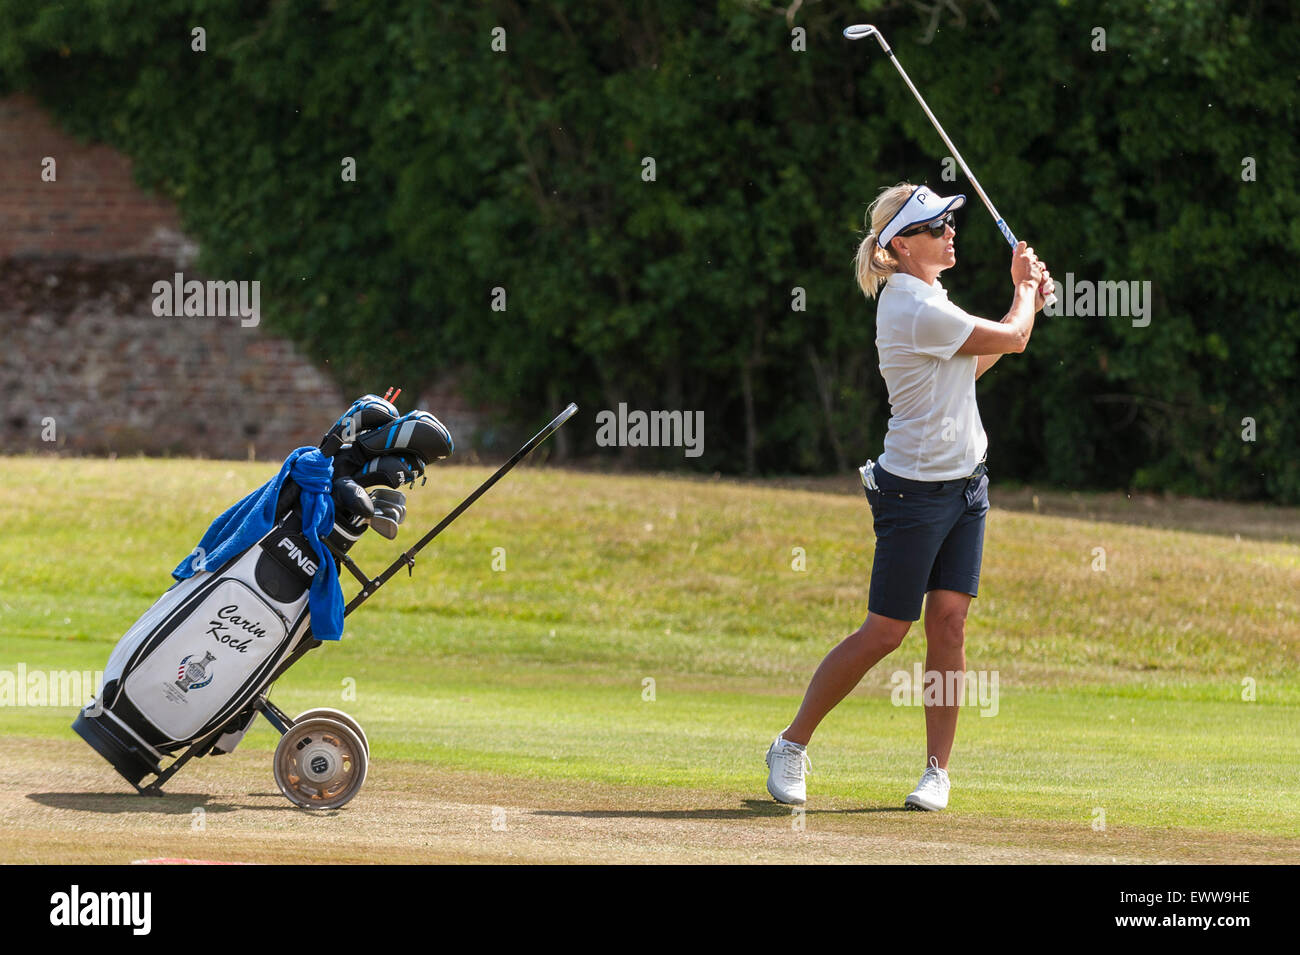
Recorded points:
(193,673)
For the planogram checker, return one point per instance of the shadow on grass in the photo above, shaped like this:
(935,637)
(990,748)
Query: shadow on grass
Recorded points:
(171,804)
(752,809)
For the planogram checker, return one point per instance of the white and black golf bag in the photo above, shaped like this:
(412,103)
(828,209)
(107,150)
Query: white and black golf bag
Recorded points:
(191,674)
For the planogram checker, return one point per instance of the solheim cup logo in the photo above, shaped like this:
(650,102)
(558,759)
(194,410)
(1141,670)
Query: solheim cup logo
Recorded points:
(194,676)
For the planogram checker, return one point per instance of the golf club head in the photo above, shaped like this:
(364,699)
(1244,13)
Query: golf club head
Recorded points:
(393,512)
(860,31)
(389,496)
(384,526)
(390,511)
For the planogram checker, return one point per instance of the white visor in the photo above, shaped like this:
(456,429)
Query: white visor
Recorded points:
(922,206)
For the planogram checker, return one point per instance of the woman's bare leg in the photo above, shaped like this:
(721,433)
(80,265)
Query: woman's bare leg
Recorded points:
(945,654)
(842,670)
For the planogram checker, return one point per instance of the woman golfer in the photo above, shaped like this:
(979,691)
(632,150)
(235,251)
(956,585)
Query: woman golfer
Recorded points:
(928,492)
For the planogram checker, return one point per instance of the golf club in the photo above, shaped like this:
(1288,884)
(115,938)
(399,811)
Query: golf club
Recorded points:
(861,31)
(390,511)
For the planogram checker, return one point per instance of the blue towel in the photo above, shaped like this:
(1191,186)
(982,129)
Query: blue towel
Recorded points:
(246,522)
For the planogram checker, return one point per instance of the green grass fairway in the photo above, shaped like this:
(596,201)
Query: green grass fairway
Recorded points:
(524,691)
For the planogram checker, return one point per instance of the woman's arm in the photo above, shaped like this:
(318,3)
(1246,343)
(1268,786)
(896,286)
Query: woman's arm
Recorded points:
(984,363)
(992,340)
(1009,335)
(988,359)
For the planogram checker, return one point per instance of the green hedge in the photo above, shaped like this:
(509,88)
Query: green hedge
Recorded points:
(523,169)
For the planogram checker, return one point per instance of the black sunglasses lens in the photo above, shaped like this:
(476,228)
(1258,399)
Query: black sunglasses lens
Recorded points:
(935,228)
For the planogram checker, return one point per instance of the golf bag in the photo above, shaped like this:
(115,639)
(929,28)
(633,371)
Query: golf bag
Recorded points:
(192,672)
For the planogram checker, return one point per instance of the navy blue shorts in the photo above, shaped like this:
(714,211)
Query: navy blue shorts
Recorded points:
(929,536)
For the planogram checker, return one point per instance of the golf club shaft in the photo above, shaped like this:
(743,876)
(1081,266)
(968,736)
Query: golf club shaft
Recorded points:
(408,558)
(860,31)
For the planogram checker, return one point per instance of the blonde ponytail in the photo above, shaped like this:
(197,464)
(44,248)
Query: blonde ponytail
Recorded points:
(874,264)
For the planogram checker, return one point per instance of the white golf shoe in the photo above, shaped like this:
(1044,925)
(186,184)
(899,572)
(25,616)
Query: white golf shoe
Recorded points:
(931,792)
(786,764)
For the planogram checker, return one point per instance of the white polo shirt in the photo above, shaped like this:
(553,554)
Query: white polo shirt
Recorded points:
(935,433)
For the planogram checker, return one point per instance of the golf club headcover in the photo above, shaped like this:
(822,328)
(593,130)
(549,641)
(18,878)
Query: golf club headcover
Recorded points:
(391,470)
(351,499)
(395,452)
(353,510)
(366,414)
(415,433)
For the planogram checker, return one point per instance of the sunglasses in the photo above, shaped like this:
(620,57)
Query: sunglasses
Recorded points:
(935,228)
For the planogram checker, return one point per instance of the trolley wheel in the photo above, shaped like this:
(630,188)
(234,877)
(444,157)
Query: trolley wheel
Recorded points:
(320,764)
(338,715)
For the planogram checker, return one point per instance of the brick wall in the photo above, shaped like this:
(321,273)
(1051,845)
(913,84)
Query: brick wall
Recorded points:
(82,348)
(93,209)
(84,351)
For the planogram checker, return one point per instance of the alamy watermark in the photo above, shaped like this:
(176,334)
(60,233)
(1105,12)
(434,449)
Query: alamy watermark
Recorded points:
(1087,299)
(75,907)
(194,299)
(24,687)
(651,429)
(947,688)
